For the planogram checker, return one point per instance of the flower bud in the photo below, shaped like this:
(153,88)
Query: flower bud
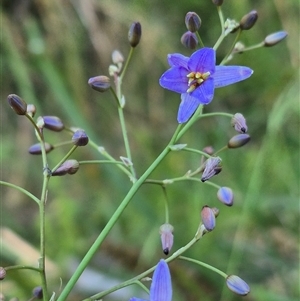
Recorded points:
(212,168)
(248,20)
(208,218)
(209,150)
(134,34)
(68,167)
(217,2)
(225,195)
(40,122)
(117,57)
(189,40)
(99,83)
(192,21)
(238,140)
(238,121)
(275,38)
(231,26)
(37,292)
(36,149)
(80,138)
(31,110)
(166,235)
(2,273)
(237,285)
(53,123)
(17,104)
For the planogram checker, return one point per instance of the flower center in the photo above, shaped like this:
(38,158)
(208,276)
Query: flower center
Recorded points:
(196,79)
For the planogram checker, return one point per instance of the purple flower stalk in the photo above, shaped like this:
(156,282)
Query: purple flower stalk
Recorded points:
(196,77)
(161,287)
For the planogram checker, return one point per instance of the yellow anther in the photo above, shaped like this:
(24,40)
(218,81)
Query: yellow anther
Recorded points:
(206,75)
(198,75)
(200,81)
(191,89)
(191,75)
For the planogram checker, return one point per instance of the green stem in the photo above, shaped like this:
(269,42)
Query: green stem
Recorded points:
(127,63)
(222,36)
(225,60)
(70,152)
(199,39)
(95,247)
(22,267)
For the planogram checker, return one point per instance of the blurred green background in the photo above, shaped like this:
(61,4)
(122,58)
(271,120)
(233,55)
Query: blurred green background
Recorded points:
(49,50)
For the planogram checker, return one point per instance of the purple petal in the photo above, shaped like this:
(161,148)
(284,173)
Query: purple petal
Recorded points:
(205,92)
(177,59)
(227,75)
(175,79)
(136,299)
(161,287)
(188,106)
(203,60)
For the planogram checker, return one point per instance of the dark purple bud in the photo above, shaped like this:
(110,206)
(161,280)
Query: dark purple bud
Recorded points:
(134,34)
(99,83)
(275,38)
(192,21)
(212,168)
(248,20)
(208,218)
(17,104)
(217,2)
(238,121)
(189,40)
(68,167)
(2,273)
(225,195)
(80,138)
(36,149)
(37,292)
(31,110)
(238,140)
(237,285)
(53,123)
(166,235)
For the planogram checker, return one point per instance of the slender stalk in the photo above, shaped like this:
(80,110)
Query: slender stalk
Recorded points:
(70,152)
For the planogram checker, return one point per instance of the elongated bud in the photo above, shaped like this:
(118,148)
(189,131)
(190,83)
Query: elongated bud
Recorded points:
(208,218)
(238,140)
(217,2)
(37,292)
(275,38)
(238,121)
(192,21)
(212,168)
(68,167)
(225,195)
(134,34)
(31,110)
(80,138)
(99,83)
(237,285)
(189,40)
(248,20)
(2,273)
(17,104)
(36,149)
(166,235)
(53,123)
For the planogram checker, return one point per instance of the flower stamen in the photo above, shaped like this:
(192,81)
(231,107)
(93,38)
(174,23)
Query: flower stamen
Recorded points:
(196,79)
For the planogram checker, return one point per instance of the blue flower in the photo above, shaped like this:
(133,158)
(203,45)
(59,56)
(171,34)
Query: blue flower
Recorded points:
(161,287)
(196,77)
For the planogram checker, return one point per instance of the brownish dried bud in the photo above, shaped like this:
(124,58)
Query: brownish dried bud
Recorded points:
(166,235)
(36,149)
(189,40)
(68,167)
(275,38)
(238,121)
(192,21)
(248,20)
(53,123)
(80,138)
(134,34)
(17,104)
(217,2)
(2,273)
(238,140)
(31,110)
(99,83)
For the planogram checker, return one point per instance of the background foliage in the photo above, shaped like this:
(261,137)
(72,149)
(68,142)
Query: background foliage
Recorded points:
(49,49)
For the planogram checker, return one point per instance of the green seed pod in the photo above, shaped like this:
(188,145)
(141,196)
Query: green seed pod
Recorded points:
(36,149)
(80,138)
(99,83)
(17,104)
(192,21)
(53,123)
(248,20)
(275,38)
(189,40)
(134,34)
(238,140)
